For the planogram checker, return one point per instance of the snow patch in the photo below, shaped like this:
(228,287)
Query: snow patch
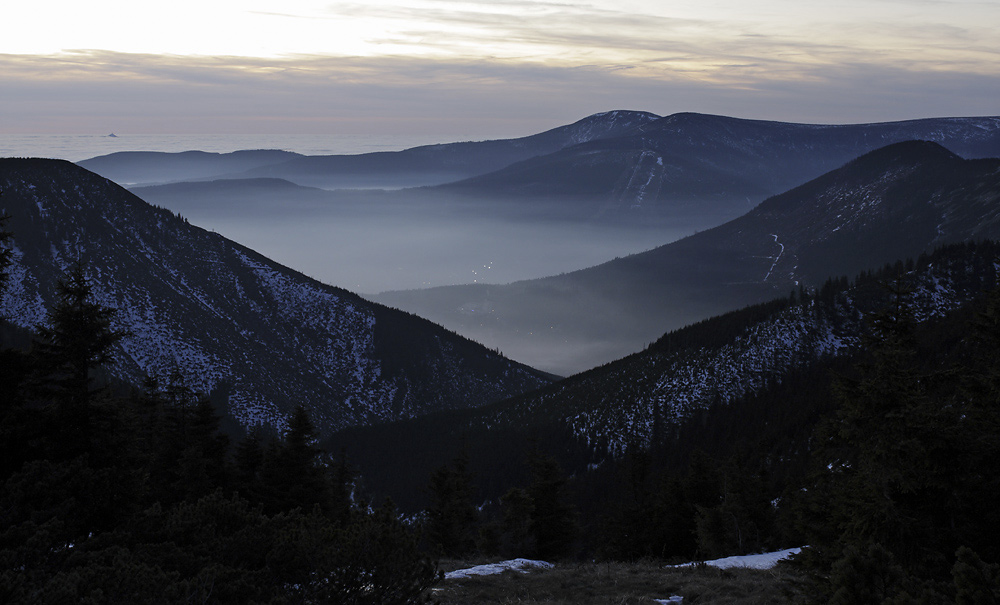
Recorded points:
(521,565)
(776,258)
(762,561)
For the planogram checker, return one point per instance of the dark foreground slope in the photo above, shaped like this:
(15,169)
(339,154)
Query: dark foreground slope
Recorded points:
(254,332)
(893,203)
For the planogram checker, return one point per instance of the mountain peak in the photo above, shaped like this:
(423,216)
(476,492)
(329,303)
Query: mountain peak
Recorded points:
(616,115)
(907,152)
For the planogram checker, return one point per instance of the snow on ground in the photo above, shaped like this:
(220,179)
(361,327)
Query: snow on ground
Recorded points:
(521,565)
(762,561)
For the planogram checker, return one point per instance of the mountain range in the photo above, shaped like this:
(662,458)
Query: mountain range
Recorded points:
(681,385)
(895,202)
(618,165)
(256,335)
(424,165)
(774,398)
(898,201)
(678,164)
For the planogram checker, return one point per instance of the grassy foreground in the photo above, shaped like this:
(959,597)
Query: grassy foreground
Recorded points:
(618,584)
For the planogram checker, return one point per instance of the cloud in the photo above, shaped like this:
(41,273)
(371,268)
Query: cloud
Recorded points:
(515,66)
(101,91)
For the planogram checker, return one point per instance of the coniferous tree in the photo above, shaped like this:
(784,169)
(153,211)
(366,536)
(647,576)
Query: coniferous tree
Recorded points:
(249,458)
(293,472)
(901,484)
(553,520)
(976,583)
(451,518)
(741,522)
(978,435)
(516,538)
(895,435)
(76,340)
(15,435)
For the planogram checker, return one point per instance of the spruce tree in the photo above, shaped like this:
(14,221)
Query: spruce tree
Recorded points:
(889,495)
(293,471)
(14,369)
(885,426)
(516,539)
(553,520)
(76,340)
(451,518)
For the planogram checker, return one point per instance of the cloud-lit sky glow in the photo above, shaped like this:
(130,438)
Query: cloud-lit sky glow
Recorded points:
(506,67)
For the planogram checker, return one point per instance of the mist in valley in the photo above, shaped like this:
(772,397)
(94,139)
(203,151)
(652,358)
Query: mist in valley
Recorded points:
(375,241)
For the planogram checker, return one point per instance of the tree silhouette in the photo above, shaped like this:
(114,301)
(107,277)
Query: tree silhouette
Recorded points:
(75,341)
(451,517)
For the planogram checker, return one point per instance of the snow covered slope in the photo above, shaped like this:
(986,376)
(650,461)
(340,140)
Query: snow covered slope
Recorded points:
(721,359)
(229,319)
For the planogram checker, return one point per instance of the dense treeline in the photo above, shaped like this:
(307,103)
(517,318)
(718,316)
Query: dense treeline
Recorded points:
(881,461)
(902,502)
(884,463)
(113,496)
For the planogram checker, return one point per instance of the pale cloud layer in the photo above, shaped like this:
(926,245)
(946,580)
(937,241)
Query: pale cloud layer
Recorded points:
(485,68)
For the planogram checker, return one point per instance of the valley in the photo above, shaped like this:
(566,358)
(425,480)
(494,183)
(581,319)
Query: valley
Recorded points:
(655,334)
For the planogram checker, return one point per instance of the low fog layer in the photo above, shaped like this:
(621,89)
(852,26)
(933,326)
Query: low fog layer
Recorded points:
(370,242)
(618,183)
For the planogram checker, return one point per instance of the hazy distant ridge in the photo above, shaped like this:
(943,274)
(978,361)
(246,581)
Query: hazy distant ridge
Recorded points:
(892,203)
(424,165)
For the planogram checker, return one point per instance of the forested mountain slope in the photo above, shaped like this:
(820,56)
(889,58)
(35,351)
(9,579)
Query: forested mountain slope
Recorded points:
(254,333)
(675,394)
(895,202)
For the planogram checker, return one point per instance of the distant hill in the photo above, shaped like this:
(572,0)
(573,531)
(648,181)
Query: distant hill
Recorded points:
(137,167)
(424,165)
(684,169)
(892,203)
(235,197)
(256,335)
(692,164)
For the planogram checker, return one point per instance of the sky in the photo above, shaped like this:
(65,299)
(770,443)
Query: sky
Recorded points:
(482,69)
